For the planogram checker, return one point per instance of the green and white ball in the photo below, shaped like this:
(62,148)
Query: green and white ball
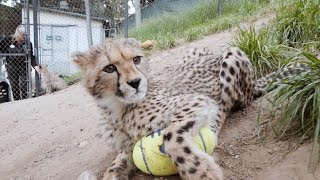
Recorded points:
(149,156)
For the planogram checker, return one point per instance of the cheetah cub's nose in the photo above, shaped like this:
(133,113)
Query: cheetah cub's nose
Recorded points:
(134,83)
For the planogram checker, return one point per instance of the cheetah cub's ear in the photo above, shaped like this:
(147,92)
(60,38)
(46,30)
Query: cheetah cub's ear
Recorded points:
(80,59)
(86,59)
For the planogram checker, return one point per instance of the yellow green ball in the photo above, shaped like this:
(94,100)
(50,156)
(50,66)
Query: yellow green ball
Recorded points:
(149,156)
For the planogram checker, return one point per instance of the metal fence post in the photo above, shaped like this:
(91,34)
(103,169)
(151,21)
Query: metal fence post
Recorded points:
(127,19)
(219,7)
(29,51)
(88,18)
(36,44)
(137,12)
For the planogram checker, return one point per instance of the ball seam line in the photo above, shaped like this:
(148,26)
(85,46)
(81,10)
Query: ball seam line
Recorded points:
(203,143)
(144,158)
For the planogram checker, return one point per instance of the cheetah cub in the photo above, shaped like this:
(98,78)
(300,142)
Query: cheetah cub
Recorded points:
(202,92)
(51,82)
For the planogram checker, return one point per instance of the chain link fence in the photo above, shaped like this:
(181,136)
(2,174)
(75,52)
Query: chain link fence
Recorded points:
(62,30)
(155,9)
(50,30)
(15,53)
(45,32)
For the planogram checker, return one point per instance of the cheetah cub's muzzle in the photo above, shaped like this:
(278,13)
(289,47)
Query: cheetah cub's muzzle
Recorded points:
(132,90)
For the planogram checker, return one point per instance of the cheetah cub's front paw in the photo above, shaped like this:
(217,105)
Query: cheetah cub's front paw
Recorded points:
(87,175)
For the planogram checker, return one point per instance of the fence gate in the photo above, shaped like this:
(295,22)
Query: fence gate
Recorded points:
(15,51)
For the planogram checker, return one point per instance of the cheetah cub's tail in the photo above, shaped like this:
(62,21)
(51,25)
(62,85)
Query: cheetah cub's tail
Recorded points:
(262,84)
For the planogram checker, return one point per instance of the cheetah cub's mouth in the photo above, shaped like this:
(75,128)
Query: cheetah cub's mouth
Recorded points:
(114,70)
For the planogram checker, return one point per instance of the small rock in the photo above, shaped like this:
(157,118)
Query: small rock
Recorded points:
(270,151)
(83,144)
(276,149)
(87,175)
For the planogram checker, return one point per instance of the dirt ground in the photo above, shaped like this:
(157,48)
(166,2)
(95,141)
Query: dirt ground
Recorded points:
(56,137)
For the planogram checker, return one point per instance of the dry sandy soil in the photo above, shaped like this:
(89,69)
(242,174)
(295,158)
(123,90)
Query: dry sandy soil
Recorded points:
(56,137)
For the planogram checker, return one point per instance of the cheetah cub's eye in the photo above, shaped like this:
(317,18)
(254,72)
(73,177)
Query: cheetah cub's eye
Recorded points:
(109,68)
(137,60)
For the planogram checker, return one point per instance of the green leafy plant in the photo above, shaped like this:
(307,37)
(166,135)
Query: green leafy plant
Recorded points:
(298,102)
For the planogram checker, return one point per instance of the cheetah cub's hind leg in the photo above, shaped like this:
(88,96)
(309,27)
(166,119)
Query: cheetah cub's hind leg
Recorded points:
(236,80)
(192,163)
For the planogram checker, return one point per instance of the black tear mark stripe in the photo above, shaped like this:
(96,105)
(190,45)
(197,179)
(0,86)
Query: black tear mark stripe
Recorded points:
(97,81)
(119,92)
(118,80)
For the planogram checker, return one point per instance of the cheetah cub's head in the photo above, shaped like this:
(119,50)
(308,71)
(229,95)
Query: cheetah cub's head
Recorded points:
(41,68)
(114,70)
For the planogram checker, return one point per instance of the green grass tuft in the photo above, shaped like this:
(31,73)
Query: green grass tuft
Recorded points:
(299,23)
(261,48)
(72,79)
(195,22)
(298,101)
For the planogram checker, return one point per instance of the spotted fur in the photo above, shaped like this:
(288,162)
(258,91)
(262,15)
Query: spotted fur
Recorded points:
(198,93)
